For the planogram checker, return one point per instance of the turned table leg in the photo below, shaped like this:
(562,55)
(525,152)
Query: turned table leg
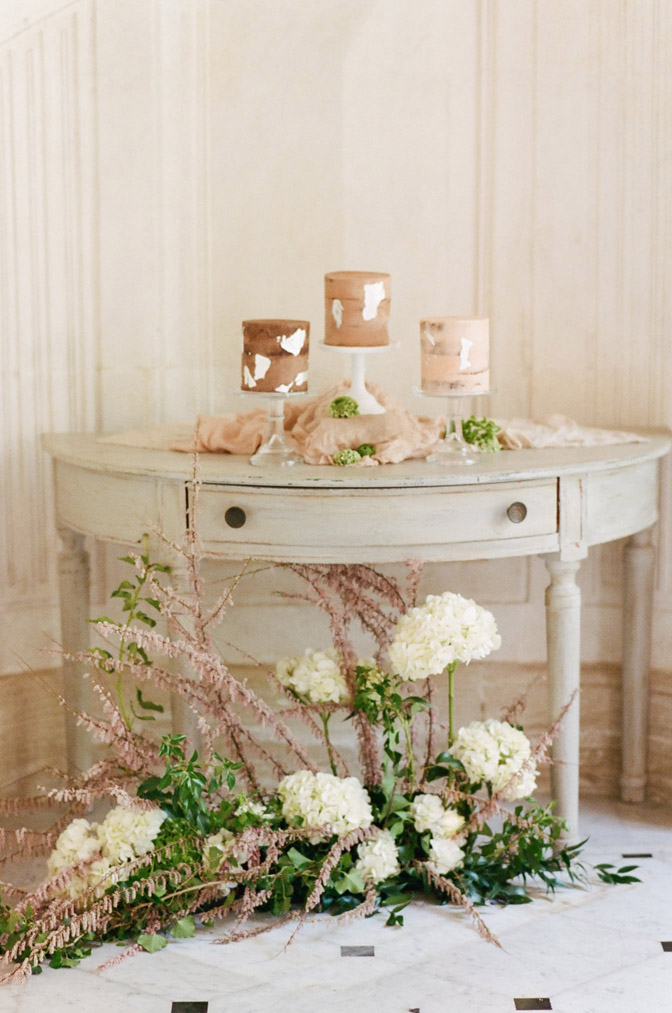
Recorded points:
(563,640)
(73,582)
(638,558)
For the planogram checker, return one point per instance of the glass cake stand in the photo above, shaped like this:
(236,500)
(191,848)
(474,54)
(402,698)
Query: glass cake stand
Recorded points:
(274,452)
(453,448)
(368,405)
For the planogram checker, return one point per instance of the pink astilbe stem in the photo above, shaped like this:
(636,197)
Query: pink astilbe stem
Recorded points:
(453,892)
(363,910)
(414,570)
(343,844)
(216,676)
(130,951)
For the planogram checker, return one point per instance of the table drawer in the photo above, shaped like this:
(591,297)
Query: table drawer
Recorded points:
(387,517)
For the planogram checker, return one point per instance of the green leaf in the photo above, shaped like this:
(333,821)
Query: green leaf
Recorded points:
(394,919)
(9,923)
(148,705)
(608,873)
(147,620)
(152,942)
(387,783)
(399,802)
(59,959)
(184,929)
(352,881)
(298,860)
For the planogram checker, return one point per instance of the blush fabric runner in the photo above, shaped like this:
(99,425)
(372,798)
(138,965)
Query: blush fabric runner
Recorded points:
(397,435)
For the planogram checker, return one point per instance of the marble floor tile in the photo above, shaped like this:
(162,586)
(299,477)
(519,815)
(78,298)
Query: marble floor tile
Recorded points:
(592,950)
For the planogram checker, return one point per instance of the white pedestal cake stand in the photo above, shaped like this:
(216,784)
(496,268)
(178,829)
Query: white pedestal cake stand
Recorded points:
(453,448)
(368,405)
(274,452)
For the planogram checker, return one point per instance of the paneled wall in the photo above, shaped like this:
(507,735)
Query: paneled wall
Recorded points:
(49,331)
(170,167)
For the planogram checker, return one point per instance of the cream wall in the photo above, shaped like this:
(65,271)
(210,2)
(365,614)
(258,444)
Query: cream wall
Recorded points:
(170,167)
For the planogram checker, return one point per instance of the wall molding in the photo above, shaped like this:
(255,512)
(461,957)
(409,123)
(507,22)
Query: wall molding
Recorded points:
(48,284)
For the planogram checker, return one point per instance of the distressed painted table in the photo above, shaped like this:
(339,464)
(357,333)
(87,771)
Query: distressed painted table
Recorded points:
(555,503)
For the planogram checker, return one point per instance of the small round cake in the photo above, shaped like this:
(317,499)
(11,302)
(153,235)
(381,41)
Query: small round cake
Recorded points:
(275,356)
(357,308)
(455,354)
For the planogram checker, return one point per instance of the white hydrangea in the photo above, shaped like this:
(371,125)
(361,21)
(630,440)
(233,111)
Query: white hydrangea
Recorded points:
(318,799)
(522,785)
(378,858)
(445,854)
(478,751)
(446,629)
(497,752)
(75,886)
(126,833)
(102,873)
(429,813)
(317,676)
(255,808)
(77,843)
(223,843)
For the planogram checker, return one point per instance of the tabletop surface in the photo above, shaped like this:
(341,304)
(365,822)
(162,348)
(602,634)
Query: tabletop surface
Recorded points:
(89,452)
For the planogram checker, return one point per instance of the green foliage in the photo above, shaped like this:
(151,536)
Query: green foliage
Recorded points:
(446,766)
(184,790)
(152,942)
(366,450)
(70,956)
(135,602)
(185,928)
(482,433)
(608,873)
(528,846)
(378,696)
(343,407)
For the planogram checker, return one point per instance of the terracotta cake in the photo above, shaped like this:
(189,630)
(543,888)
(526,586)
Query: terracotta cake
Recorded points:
(275,356)
(357,308)
(455,354)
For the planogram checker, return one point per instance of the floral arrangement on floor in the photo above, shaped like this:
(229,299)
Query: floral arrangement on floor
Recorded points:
(249,821)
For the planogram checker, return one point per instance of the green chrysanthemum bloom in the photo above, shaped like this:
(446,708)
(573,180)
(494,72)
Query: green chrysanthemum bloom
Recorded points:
(482,433)
(346,456)
(366,450)
(343,407)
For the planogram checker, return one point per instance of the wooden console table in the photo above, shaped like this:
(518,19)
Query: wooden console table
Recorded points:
(555,503)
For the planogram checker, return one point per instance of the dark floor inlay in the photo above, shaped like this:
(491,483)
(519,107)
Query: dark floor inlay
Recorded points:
(533,1003)
(357,951)
(667,945)
(189,1007)
(638,854)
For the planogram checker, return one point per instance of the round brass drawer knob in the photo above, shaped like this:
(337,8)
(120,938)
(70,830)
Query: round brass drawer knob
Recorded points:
(235,517)
(517,512)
